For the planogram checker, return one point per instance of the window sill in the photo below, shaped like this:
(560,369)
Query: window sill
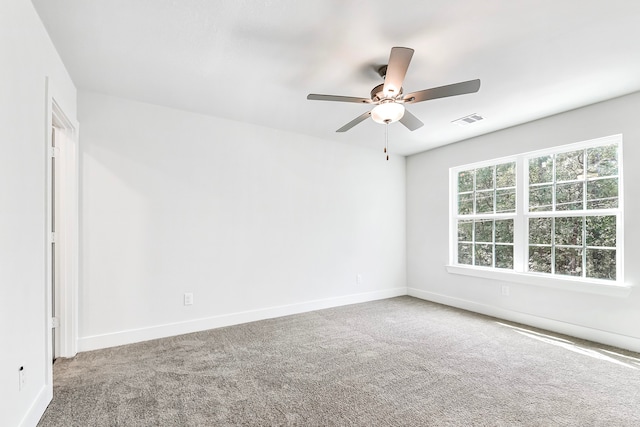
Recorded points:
(598,287)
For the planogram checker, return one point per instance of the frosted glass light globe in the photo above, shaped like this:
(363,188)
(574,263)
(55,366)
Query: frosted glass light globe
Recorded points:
(387,112)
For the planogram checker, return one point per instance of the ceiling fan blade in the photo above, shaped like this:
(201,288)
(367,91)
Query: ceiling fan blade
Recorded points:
(399,60)
(461,88)
(354,122)
(410,121)
(317,97)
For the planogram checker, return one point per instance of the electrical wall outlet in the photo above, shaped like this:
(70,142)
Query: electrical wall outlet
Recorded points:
(22,378)
(188,299)
(359,279)
(505,290)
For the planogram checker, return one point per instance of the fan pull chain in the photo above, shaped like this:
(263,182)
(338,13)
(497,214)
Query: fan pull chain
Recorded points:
(386,140)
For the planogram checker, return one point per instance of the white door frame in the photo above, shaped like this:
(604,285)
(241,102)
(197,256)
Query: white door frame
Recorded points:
(67,173)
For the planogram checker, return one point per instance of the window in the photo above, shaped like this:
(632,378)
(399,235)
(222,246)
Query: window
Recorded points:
(486,211)
(555,212)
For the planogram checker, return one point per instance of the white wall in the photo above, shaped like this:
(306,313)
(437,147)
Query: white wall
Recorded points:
(253,221)
(27,56)
(608,319)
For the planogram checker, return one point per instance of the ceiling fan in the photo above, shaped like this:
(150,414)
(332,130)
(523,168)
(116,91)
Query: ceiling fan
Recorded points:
(388,97)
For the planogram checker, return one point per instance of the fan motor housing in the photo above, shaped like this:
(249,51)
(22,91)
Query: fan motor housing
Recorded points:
(376,93)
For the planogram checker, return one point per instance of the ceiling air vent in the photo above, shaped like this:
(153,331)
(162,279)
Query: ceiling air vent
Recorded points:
(467,120)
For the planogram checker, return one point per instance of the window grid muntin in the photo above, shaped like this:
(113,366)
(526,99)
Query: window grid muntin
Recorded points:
(584,212)
(584,246)
(493,243)
(584,180)
(476,217)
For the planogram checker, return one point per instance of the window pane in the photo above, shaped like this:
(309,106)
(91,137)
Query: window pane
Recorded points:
(540,198)
(465,231)
(464,253)
(569,196)
(484,231)
(465,204)
(484,178)
(540,231)
(570,166)
(601,231)
(602,161)
(540,259)
(569,231)
(504,231)
(484,201)
(602,193)
(504,256)
(465,181)
(506,200)
(484,255)
(540,170)
(569,261)
(506,175)
(601,264)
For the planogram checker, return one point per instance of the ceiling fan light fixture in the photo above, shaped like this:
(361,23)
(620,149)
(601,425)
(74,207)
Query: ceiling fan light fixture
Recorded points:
(387,112)
(388,99)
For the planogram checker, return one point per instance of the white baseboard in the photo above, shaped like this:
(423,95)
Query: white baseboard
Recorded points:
(595,335)
(167,330)
(35,412)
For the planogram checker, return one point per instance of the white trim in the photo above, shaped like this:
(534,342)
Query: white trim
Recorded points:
(67,170)
(595,335)
(67,235)
(566,283)
(48,344)
(37,408)
(620,219)
(171,329)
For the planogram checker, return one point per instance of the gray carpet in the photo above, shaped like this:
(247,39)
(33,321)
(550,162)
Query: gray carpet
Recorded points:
(395,362)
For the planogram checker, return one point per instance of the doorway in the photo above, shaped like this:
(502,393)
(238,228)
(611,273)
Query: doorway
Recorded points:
(62,230)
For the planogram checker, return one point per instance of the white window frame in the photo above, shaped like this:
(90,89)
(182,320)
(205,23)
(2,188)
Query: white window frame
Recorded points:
(520,274)
(491,216)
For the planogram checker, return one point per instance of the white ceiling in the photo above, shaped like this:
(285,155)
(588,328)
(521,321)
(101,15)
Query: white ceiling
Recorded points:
(256,60)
